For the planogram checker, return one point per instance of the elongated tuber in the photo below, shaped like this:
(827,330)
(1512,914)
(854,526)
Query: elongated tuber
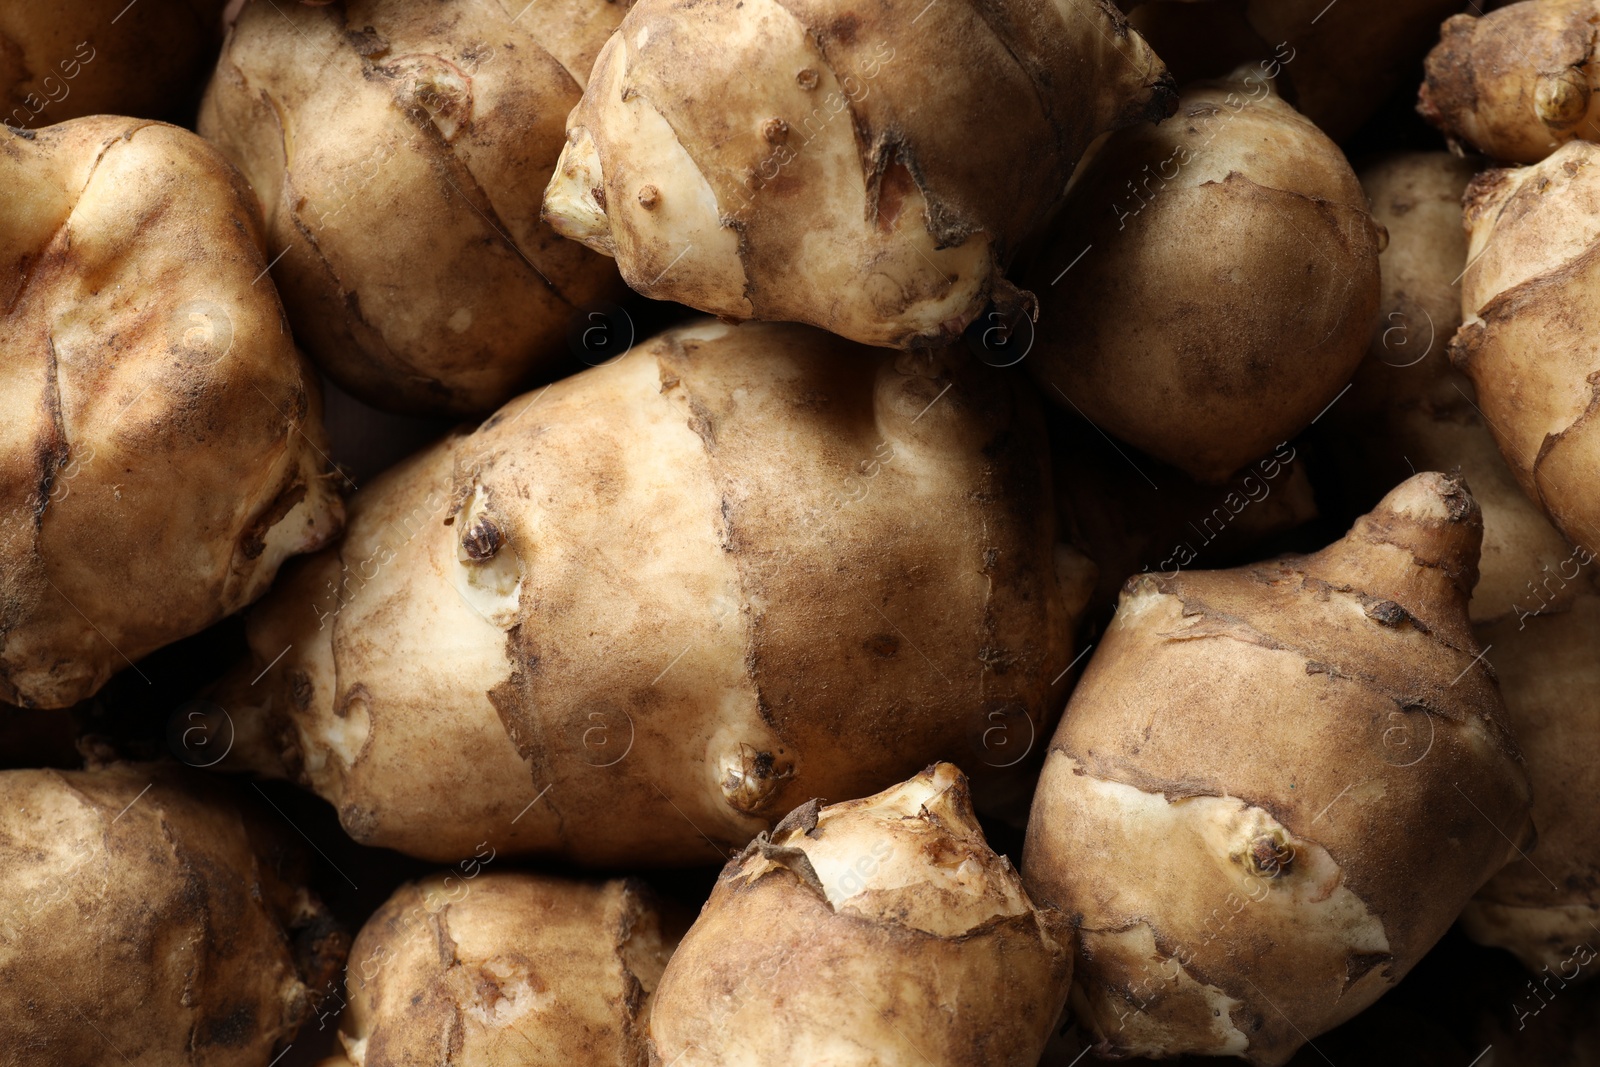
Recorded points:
(146,920)
(1276,787)
(1529,340)
(162,449)
(1238,344)
(1518,83)
(867,933)
(869,170)
(401,151)
(540,972)
(734,568)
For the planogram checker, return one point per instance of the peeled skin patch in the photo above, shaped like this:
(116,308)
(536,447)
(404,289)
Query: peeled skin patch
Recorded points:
(793,160)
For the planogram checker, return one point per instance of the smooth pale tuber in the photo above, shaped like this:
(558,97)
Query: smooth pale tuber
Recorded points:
(1276,787)
(1409,409)
(1233,346)
(733,569)
(146,920)
(401,151)
(1337,62)
(866,934)
(1518,83)
(1530,340)
(70,58)
(162,449)
(505,970)
(867,169)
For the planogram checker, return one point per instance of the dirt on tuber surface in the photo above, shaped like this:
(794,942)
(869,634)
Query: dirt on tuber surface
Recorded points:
(865,934)
(870,169)
(162,450)
(400,151)
(148,919)
(733,569)
(1276,787)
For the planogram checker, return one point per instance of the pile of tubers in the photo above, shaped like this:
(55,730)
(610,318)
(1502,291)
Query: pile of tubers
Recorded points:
(751,533)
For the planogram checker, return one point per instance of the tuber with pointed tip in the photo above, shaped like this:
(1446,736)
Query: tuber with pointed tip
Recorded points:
(1276,787)
(539,971)
(148,920)
(1530,337)
(734,568)
(870,169)
(161,449)
(1517,83)
(871,932)
(1238,344)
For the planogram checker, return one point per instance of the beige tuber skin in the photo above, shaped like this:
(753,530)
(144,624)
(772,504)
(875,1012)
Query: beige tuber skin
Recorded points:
(871,933)
(1517,83)
(162,451)
(505,970)
(147,921)
(69,58)
(1237,344)
(1337,64)
(1276,787)
(870,169)
(1529,336)
(400,151)
(732,569)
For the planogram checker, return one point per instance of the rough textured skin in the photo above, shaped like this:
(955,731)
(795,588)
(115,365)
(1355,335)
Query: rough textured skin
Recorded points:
(146,920)
(872,933)
(1338,63)
(505,970)
(1410,410)
(1240,238)
(1276,787)
(1517,83)
(69,58)
(736,568)
(1546,908)
(1529,336)
(866,168)
(400,151)
(161,452)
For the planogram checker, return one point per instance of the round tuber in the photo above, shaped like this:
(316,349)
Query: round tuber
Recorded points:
(870,933)
(1210,283)
(162,450)
(870,169)
(1276,787)
(400,151)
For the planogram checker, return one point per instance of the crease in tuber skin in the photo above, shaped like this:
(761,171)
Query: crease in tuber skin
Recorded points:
(691,584)
(1516,83)
(866,933)
(1276,787)
(143,910)
(163,450)
(816,161)
(1528,337)
(507,970)
(1239,343)
(400,152)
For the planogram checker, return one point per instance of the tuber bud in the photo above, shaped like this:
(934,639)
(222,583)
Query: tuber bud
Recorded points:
(876,931)
(1276,787)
